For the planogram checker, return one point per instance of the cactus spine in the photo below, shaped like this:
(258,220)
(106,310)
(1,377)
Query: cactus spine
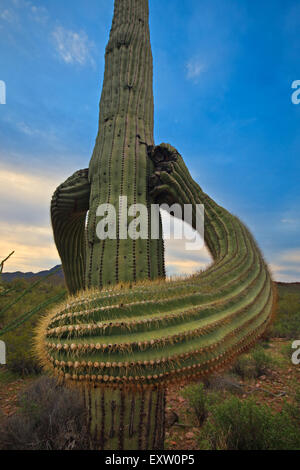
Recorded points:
(124,343)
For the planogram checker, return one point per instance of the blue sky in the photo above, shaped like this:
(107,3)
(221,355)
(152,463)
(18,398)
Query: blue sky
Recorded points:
(223,74)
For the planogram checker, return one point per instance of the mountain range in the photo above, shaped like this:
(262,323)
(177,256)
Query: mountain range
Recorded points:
(57,277)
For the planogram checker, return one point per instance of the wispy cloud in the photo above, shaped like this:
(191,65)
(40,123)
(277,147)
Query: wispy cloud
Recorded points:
(38,14)
(7,15)
(194,69)
(291,256)
(73,47)
(19,8)
(25,187)
(290,223)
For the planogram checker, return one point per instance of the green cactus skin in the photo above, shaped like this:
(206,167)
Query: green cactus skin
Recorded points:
(126,419)
(124,343)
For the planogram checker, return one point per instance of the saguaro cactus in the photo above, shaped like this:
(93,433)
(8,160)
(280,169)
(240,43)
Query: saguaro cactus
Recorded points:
(124,343)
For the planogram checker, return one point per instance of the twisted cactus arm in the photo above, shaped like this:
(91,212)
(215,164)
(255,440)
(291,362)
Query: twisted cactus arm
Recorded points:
(158,332)
(69,207)
(124,345)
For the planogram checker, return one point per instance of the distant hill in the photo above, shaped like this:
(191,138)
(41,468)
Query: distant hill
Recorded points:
(57,278)
(295,284)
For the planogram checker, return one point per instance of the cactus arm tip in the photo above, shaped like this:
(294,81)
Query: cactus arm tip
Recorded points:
(69,207)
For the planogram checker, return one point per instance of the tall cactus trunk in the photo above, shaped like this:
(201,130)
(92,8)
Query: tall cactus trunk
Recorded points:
(119,165)
(131,419)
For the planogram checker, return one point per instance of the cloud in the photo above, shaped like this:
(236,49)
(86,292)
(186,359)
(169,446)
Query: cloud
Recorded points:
(25,220)
(38,14)
(291,256)
(194,68)
(8,15)
(33,245)
(290,223)
(19,8)
(73,47)
(179,259)
(286,266)
(182,262)
(25,188)
(46,135)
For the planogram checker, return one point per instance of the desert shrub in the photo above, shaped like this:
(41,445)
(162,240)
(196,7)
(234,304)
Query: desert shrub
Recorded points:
(20,358)
(19,342)
(226,382)
(253,365)
(293,409)
(243,425)
(197,398)
(199,401)
(287,320)
(51,417)
(287,351)
(244,367)
(262,361)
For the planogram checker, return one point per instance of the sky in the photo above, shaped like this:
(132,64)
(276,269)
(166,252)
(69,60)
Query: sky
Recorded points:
(223,74)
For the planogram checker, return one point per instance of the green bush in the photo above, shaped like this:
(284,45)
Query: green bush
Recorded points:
(253,365)
(293,409)
(244,367)
(20,358)
(287,351)
(262,361)
(287,320)
(242,425)
(199,400)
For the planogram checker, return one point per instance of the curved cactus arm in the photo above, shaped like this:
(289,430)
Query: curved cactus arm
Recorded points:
(154,333)
(172,182)
(159,332)
(140,338)
(69,207)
